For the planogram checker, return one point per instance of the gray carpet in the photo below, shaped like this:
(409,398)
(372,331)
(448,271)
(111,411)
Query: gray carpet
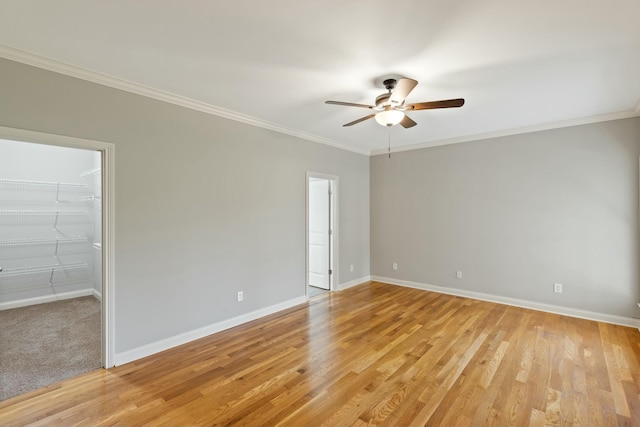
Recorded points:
(46,343)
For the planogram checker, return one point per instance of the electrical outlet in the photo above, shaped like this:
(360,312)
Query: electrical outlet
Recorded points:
(395,265)
(240,296)
(351,268)
(557,288)
(459,274)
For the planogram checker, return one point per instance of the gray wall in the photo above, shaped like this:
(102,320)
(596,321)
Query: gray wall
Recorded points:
(205,206)
(516,214)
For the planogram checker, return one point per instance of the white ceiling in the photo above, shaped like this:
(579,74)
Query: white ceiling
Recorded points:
(521,65)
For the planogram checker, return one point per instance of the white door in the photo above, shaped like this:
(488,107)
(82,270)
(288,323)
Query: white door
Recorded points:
(319,233)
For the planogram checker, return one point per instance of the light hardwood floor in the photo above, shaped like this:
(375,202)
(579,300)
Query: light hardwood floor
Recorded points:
(375,354)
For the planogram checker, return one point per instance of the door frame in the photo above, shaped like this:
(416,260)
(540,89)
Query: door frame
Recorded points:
(335,235)
(107,151)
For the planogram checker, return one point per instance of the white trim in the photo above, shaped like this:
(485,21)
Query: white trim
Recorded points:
(354,282)
(52,139)
(176,340)
(548,308)
(108,246)
(108,220)
(516,131)
(97,294)
(46,298)
(161,95)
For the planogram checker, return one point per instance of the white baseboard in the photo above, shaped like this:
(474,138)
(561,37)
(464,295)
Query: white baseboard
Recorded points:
(44,299)
(549,308)
(97,294)
(343,286)
(174,341)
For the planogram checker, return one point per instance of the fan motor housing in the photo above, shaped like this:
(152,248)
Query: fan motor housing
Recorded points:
(383,100)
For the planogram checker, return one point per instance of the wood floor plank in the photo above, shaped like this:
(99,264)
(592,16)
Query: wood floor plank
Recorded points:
(375,354)
(615,372)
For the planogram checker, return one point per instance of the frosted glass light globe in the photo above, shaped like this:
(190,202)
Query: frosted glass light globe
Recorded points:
(389,117)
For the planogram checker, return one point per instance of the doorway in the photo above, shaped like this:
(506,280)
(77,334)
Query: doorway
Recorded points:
(321,233)
(56,229)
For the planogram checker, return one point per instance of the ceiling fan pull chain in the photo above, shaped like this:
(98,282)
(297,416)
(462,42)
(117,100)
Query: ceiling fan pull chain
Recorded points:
(389,140)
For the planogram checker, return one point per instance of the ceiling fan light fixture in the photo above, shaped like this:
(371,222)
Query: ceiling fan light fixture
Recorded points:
(389,117)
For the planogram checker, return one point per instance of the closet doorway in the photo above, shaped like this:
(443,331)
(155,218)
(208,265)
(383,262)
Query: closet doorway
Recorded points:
(321,233)
(51,264)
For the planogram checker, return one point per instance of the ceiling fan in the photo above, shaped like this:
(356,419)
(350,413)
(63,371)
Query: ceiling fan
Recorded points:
(390,108)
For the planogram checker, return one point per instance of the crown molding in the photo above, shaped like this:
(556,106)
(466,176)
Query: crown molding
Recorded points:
(70,70)
(160,95)
(516,131)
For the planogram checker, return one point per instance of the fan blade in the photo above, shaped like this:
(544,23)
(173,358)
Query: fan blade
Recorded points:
(431,105)
(407,122)
(402,89)
(359,120)
(348,104)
